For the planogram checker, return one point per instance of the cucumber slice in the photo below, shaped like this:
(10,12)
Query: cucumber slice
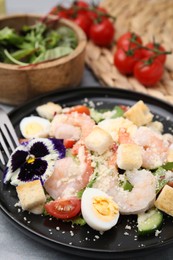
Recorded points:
(149,222)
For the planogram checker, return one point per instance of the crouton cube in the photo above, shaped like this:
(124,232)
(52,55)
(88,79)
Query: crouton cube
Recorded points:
(49,110)
(31,194)
(139,114)
(129,156)
(98,140)
(164,200)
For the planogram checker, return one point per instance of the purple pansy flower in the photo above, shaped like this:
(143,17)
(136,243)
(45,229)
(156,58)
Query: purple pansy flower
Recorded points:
(33,160)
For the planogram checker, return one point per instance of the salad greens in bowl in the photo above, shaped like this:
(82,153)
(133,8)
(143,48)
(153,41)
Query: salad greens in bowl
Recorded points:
(38,55)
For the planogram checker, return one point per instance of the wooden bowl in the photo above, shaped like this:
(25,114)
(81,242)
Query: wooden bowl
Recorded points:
(19,84)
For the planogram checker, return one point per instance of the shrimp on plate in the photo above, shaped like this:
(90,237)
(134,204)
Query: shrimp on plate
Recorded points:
(141,197)
(69,176)
(73,126)
(154,147)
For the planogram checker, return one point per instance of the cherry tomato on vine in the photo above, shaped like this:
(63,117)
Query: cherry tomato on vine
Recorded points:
(126,60)
(83,22)
(81,5)
(148,72)
(102,33)
(64,208)
(126,41)
(96,13)
(155,49)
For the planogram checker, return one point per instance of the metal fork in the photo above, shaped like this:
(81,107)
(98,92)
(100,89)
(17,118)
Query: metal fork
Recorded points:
(8,137)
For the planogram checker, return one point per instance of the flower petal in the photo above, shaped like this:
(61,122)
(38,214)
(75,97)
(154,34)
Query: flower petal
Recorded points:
(32,171)
(39,149)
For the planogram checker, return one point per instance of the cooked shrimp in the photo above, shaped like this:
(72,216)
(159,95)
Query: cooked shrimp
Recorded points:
(69,176)
(71,126)
(141,197)
(154,147)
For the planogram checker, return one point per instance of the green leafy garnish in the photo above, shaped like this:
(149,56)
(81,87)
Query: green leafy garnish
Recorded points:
(36,43)
(79,220)
(89,185)
(100,114)
(168,166)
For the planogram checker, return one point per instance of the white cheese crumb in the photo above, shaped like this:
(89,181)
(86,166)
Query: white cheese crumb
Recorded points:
(157,232)
(128,227)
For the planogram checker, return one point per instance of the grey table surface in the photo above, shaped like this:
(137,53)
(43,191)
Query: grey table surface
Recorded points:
(14,244)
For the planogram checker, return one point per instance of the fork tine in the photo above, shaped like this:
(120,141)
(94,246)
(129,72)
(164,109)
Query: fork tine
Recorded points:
(7,136)
(4,146)
(2,158)
(12,132)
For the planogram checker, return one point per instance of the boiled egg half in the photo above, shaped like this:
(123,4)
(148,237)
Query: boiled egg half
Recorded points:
(99,210)
(34,126)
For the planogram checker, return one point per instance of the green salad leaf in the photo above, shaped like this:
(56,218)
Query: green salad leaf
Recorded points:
(36,43)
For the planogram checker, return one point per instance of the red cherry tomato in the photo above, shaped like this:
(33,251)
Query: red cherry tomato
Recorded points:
(148,73)
(64,208)
(102,34)
(82,7)
(83,22)
(80,109)
(69,143)
(125,61)
(126,41)
(156,47)
(99,11)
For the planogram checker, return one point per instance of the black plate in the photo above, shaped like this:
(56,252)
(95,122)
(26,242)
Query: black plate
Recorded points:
(83,241)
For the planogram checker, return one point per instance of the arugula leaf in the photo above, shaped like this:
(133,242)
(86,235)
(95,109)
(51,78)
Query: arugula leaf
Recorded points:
(89,185)
(55,53)
(79,220)
(168,166)
(36,43)
(101,114)
(9,36)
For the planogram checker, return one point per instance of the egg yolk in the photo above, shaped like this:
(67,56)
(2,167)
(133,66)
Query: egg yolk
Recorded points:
(33,128)
(105,208)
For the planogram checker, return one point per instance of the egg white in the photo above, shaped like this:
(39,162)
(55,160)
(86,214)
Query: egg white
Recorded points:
(93,219)
(27,123)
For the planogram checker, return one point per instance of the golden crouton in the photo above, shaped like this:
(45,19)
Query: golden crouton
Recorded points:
(98,140)
(129,156)
(49,110)
(165,199)
(31,194)
(139,114)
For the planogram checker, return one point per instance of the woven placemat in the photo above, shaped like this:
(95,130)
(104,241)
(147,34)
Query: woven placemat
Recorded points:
(147,18)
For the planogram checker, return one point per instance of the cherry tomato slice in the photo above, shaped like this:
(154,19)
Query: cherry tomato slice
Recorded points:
(157,47)
(64,208)
(69,143)
(102,33)
(81,109)
(148,74)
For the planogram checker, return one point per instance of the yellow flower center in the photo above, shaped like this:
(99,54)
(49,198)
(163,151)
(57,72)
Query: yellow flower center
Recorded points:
(30,159)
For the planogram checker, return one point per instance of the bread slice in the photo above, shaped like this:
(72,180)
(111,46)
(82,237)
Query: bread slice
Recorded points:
(31,194)
(164,200)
